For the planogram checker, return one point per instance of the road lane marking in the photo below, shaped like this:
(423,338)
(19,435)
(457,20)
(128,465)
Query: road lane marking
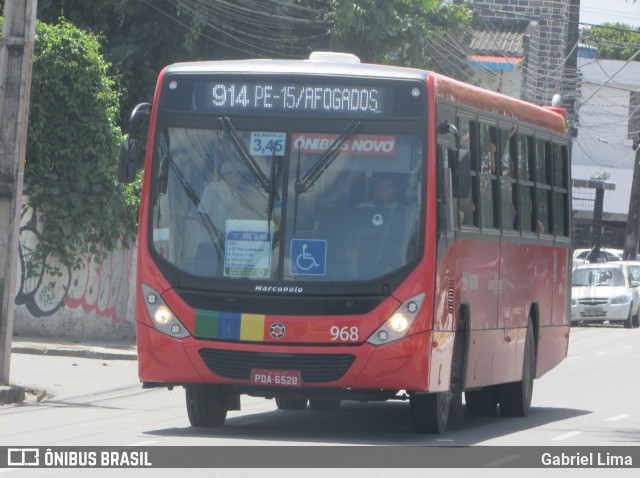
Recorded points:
(616,418)
(566,436)
(144,443)
(602,353)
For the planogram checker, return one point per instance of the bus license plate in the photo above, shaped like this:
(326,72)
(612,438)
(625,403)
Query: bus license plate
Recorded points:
(277,378)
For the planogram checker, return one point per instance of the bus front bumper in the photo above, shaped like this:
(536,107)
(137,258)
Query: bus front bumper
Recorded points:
(399,365)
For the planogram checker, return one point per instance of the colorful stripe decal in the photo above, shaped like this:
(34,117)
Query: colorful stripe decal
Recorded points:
(229,326)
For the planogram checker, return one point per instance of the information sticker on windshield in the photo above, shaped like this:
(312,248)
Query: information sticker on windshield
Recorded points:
(267,144)
(247,249)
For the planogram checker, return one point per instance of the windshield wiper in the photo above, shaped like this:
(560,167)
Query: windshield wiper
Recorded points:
(227,126)
(332,152)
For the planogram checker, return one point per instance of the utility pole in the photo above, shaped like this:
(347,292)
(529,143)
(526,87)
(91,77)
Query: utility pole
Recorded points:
(633,218)
(16,59)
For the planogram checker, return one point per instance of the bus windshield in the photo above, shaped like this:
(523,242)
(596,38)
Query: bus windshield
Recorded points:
(233,204)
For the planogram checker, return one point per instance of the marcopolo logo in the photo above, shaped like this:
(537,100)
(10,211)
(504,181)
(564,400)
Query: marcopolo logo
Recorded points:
(277,330)
(279,289)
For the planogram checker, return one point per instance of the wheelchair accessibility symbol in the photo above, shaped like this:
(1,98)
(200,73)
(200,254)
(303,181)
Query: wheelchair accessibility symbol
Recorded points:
(308,257)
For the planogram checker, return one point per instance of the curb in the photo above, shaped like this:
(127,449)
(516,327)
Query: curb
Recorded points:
(75,352)
(16,394)
(11,394)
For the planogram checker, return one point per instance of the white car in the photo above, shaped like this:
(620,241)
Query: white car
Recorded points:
(605,255)
(605,292)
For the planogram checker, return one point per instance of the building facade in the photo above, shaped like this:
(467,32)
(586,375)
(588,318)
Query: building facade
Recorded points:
(549,45)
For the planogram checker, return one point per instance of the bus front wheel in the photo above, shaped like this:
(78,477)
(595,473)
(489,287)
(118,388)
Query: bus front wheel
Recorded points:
(515,397)
(205,405)
(429,412)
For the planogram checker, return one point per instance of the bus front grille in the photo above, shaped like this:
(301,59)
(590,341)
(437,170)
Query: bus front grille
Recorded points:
(314,368)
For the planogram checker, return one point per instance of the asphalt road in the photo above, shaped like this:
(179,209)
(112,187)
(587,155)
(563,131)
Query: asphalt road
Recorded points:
(591,399)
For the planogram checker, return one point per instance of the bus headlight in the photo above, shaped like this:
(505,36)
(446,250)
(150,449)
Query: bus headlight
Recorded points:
(163,319)
(399,323)
(396,326)
(163,315)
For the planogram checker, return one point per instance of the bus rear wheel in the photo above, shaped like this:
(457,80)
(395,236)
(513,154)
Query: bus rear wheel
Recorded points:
(205,406)
(291,403)
(430,412)
(481,402)
(515,397)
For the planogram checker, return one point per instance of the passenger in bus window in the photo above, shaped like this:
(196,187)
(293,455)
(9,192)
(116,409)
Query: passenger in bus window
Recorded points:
(233,196)
(467,211)
(385,192)
(340,193)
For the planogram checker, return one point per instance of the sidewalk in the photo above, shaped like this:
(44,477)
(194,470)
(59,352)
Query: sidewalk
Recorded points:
(55,346)
(72,348)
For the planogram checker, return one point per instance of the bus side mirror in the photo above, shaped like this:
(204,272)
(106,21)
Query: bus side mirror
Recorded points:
(131,154)
(128,162)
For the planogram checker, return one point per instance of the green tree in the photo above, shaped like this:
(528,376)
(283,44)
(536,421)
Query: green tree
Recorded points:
(141,37)
(72,147)
(394,29)
(614,41)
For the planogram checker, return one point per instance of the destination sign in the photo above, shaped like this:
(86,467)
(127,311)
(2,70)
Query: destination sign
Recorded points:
(294,95)
(295,98)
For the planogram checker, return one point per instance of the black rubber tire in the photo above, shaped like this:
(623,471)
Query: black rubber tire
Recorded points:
(205,407)
(324,404)
(430,412)
(629,322)
(515,398)
(483,402)
(291,403)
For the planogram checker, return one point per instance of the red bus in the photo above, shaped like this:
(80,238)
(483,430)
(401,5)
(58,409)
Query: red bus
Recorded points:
(324,230)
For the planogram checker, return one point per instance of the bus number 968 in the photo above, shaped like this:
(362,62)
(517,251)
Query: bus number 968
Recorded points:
(344,334)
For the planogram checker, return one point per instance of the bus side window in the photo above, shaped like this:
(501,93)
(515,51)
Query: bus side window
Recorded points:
(508,153)
(467,211)
(444,158)
(488,178)
(526,182)
(560,190)
(543,186)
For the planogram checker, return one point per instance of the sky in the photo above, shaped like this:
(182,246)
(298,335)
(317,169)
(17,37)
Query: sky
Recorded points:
(609,11)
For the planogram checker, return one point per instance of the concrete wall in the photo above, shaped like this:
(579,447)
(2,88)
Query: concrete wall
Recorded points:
(95,302)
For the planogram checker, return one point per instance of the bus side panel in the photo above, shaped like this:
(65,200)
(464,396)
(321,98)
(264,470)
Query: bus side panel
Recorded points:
(440,362)
(553,343)
(513,303)
(162,358)
(477,286)
(400,366)
(561,288)
(480,357)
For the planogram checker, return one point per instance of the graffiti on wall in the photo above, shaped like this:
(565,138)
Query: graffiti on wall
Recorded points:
(46,285)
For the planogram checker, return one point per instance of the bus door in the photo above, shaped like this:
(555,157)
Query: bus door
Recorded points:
(445,253)
(513,301)
(478,258)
